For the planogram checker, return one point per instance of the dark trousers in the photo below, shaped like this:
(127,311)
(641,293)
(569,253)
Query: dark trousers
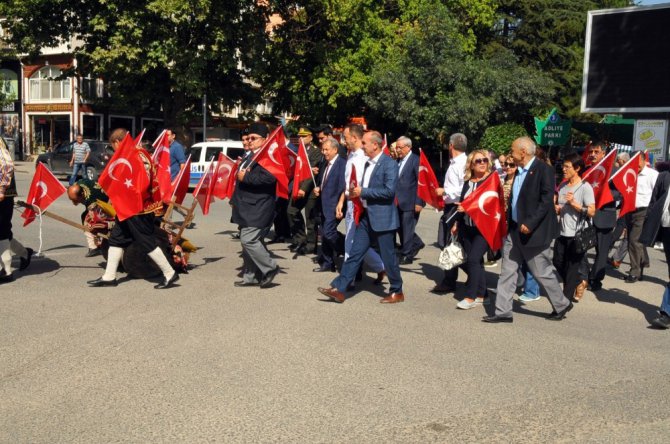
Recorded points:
(303,229)
(281,222)
(364,237)
(566,262)
(410,242)
(604,238)
(636,250)
(139,229)
(665,238)
(332,242)
(475,247)
(6,213)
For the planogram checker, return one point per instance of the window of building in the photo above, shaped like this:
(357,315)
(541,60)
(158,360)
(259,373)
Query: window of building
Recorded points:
(91,126)
(90,88)
(126,122)
(43,87)
(9,85)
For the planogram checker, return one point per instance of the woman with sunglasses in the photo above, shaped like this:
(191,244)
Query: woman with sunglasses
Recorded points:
(575,200)
(477,168)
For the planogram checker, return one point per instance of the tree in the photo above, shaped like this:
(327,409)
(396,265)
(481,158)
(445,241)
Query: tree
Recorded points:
(430,82)
(499,138)
(154,54)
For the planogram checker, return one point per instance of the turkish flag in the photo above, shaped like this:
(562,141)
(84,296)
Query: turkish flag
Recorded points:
(585,155)
(486,207)
(125,179)
(303,170)
(625,180)
(138,139)
(385,147)
(598,177)
(203,191)
(179,187)
(427,183)
(225,167)
(272,158)
(230,188)
(44,189)
(358,205)
(161,158)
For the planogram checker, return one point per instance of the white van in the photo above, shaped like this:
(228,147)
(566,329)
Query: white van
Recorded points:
(202,152)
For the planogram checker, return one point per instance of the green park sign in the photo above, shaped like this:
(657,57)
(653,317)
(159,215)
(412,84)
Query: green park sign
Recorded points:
(553,131)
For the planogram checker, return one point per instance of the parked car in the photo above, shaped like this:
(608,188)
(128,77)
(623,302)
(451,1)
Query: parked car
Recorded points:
(58,160)
(203,152)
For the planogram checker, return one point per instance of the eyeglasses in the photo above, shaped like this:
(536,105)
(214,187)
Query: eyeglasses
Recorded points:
(480,160)
(567,167)
(510,164)
(253,138)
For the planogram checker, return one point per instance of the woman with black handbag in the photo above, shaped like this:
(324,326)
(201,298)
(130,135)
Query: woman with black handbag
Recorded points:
(575,204)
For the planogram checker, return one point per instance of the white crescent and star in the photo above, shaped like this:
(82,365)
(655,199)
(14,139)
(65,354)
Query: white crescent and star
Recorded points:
(41,185)
(629,189)
(483,198)
(226,167)
(271,152)
(596,176)
(114,165)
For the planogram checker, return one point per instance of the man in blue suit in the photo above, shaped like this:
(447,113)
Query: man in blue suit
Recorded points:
(331,186)
(409,204)
(378,222)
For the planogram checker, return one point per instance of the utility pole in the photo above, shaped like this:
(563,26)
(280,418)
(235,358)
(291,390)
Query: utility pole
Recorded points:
(204,117)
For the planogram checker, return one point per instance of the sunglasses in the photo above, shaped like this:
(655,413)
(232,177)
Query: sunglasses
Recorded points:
(510,165)
(480,160)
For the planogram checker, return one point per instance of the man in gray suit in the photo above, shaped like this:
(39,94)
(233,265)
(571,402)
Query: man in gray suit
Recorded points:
(532,225)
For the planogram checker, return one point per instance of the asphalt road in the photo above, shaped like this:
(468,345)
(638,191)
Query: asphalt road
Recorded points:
(208,362)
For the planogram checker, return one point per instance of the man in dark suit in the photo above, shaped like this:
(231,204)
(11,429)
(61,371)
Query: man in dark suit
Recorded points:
(378,222)
(604,220)
(532,226)
(253,210)
(409,205)
(331,186)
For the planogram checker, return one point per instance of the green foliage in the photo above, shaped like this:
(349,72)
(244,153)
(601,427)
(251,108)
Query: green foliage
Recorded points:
(159,54)
(499,138)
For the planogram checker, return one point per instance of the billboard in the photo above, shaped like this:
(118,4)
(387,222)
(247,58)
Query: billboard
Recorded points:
(626,63)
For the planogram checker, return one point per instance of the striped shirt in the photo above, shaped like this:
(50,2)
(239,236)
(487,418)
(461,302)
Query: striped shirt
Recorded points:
(79,150)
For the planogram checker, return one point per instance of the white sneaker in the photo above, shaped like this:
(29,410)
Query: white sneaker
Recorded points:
(658,246)
(466,305)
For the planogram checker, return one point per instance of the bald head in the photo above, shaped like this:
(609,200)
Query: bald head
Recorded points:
(523,149)
(75,195)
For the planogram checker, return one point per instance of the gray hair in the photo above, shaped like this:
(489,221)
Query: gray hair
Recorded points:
(623,156)
(528,144)
(459,142)
(376,137)
(331,142)
(405,141)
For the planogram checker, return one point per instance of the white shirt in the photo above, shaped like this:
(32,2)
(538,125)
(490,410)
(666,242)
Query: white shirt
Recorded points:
(453,179)
(646,179)
(403,161)
(368,174)
(358,159)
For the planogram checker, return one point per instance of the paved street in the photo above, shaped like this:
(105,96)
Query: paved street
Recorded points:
(208,362)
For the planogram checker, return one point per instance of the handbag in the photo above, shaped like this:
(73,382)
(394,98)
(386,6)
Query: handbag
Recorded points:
(585,235)
(452,255)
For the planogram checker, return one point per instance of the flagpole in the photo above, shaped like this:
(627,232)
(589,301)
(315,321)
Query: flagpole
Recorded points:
(308,163)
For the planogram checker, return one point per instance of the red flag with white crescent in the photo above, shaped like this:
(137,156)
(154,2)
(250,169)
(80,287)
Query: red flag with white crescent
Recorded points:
(225,167)
(358,205)
(427,183)
(44,189)
(273,159)
(161,159)
(598,176)
(625,180)
(486,207)
(303,170)
(124,179)
(230,188)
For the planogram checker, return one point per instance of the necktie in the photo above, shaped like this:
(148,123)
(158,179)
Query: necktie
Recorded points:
(325,175)
(365,169)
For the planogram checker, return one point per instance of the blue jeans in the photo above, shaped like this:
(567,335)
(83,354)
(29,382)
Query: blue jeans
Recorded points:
(665,304)
(530,287)
(75,172)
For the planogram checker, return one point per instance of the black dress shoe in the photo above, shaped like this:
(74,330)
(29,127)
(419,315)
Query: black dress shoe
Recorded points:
(323,269)
(293,246)
(92,252)
(662,322)
(269,277)
(235,235)
(405,260)
(25,261)
(6,278)
(443,289)
(167,283)
(102,283)
(554,316)
(277,240)
(630,279)
(595,286)
(245,284)
(301,250)
(498,319)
